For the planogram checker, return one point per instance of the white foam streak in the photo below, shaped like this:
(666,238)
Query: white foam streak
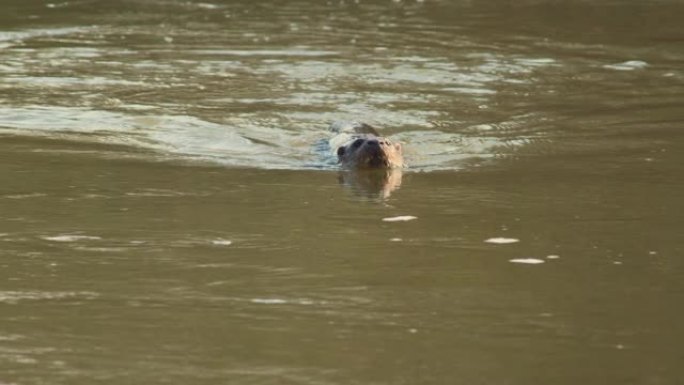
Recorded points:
(502,240)
(527,261)
(70,238)
(401,218)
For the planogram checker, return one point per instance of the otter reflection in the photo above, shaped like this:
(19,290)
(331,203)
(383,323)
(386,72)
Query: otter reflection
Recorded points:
(371,183)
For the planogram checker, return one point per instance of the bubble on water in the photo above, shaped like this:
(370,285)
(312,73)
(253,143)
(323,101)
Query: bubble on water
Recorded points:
(400,218)
(502,240)
(529,261)
(396,240)
(552,256)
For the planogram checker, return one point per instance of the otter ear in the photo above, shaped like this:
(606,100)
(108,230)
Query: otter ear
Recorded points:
(398,146)
(340,151)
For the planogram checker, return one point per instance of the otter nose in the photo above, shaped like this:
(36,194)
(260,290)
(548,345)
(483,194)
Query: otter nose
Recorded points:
(372,143)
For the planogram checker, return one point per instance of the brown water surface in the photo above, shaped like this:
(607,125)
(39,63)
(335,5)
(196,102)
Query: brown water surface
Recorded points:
(169,213)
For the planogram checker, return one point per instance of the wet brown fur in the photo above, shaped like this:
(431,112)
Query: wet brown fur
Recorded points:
(358,146)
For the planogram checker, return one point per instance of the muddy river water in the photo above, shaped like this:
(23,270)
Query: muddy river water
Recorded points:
(169,216)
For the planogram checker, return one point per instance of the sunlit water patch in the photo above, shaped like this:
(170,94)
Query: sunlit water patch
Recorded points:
(268,131)
(15,37)
(240,141)
(14,297)
(246,98)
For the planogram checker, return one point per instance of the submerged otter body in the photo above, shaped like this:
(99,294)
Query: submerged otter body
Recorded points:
(359,146)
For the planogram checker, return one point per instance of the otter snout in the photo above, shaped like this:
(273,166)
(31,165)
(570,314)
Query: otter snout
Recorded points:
(362,147)
(371,153)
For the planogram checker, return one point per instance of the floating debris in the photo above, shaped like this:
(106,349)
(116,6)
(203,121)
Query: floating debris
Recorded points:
(401,218)
(502,240)
(552,256)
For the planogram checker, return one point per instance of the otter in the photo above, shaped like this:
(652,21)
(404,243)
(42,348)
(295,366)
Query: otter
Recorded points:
(359,146)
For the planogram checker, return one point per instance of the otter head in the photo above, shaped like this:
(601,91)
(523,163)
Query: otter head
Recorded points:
(371,152)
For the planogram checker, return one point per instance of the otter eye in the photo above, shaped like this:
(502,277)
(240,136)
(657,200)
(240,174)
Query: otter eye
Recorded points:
(357,143)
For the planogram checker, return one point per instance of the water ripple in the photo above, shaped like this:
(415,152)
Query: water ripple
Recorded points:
(224,83)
